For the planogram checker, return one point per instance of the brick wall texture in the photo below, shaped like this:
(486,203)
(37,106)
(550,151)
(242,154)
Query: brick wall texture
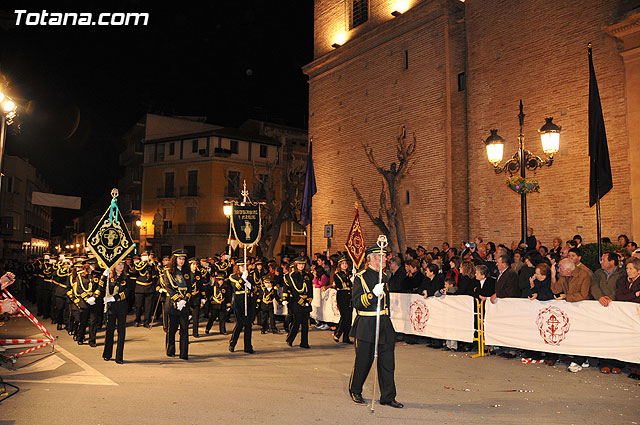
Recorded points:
(363,92)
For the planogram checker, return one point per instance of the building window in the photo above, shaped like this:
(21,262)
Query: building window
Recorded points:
(298,230)
(408,200)
(358,12)
(169,187)
(462,82)
(167,225)
(234,146)
(260,187)
(160,152)
(192,183)
(233,184)
(194,146)
(8,184)
(263,151)
(172,149)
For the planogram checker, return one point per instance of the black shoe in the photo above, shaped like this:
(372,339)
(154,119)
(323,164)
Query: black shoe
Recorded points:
(59,327)
(224,333)
(289,343)
(336,338)
(304,346)
(357,398)
(105,358)
(80,342)
(634,376)
(184,358)
(348,341)
(206,331)
(137,324)
(170,355)
(263,332)
(93,344)
(119,361)
(249,351)
(393,403)
(232,348)
(196,335)
(275,331)
(148,326)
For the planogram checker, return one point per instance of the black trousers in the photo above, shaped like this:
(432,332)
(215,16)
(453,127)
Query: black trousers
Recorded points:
(386,368)
(43,297)
(267,318)
(195,313)
(343,299)
(88,316)
(144,302)
(241,325)
(300,320)
(220,313)
(178,318)
(115,320)
(59,309)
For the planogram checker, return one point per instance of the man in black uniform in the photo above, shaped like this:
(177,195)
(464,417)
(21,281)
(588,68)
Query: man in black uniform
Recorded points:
(145,274)
(241,282)
(198,296)
(178,283)
(266,294)
(223,266)
(366,290)
(297,296)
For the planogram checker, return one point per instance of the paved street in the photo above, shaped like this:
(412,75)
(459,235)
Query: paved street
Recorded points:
(296,386)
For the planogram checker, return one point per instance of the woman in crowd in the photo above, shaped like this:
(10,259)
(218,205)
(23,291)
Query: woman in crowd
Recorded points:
(628,289)
(540,283)
(414,279)
(467,283)
(113,285)
(454,265)
(320,280)
(557,245)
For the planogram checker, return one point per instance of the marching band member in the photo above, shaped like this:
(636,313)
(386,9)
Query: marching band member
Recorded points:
(60,280)
(243,283)
(266,295)
(197,291)
(145,279)
(113,285)
(366,290)
(342,283)
(298,296)
(177,282)
(220,303)
(83,294)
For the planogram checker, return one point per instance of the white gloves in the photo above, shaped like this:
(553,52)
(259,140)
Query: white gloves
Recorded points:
(109,299)
(270,289)
(247,285)
(378,289)
(285,302)
(180,305)
(106,272)
(91,300)
(202,303)
(245,275)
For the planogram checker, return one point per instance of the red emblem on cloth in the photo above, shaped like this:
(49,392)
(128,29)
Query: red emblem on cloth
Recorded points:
(553,325)
(355,242)
(333,302)
(419,314)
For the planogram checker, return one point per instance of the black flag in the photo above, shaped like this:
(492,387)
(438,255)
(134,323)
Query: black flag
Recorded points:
(601,181)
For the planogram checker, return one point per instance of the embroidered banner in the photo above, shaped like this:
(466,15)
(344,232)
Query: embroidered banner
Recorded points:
(110,240)
(355,242)
(246,223)
(585,328)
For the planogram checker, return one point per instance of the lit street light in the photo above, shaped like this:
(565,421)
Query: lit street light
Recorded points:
(524,160)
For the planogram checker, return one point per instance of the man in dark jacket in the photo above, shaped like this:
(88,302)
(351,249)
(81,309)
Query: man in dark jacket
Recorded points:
(507,281)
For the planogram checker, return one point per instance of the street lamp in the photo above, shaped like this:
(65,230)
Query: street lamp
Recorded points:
(524,160)
(142,227)
(7,114)
(227,210)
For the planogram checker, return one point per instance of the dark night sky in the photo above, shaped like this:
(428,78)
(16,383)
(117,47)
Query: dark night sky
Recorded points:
(81,88)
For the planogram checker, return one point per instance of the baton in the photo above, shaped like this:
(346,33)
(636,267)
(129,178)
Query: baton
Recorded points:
(382,243)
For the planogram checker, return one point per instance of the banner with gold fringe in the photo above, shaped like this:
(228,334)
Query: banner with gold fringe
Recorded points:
(355,244)
(110,240)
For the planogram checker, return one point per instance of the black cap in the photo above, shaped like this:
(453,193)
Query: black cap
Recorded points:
(375,249)
(179,253)
(300,260)
(194,260)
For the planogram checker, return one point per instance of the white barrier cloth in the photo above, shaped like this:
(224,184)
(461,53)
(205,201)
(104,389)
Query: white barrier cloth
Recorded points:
(585,328)
(449,317)
(325,306)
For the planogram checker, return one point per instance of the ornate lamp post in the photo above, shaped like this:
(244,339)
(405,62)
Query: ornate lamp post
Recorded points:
(524,160)
(142,228)
(227,210)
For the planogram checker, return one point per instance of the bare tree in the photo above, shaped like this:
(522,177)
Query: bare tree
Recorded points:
(390,220)
(281,189)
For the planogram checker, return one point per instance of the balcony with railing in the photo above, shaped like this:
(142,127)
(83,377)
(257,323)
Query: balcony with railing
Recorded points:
(132,154)
(189,191)
(166,192)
